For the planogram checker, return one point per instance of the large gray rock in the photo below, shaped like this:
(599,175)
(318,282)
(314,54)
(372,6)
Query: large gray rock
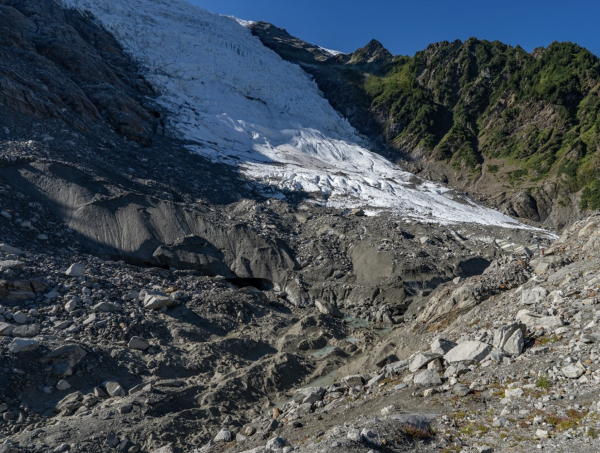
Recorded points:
(70,403)
(422,360)
(309,395)
(155,300)
(165,449)
(76,270)
(11,264)
(6,329)
(114,389)
(30,330)
(328,309)
(354,380)
(427,379)
(515,344)
(22,345)
(535,321)
(442,346)
(468,351)
(224,436)
(573,371)
(20,317)
(534,295)
(510,339)
(9,249)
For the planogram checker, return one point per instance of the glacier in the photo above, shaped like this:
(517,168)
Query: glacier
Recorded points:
(235,101)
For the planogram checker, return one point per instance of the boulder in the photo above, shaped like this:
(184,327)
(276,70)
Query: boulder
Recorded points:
(155,300)
(224,436)
(22,345)
(573,371)
(328,309)
(468,351)
(427,379)
(422,360)
(11,264)
(6,329)
(114,389)
(30,330)
(70,403)
(353,381)
(9,249)
(533,295)
(515,344)
(510,338)
(535,321)
(76,270)
(442,346)
(309,395)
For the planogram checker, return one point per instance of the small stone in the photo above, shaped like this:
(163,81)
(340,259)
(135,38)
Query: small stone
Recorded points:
(63,385)
(20,317)
(224,436)
(11,264)
(90,319)
(388,410)
(76,270)
(71,306)
(541,434)
(138,343)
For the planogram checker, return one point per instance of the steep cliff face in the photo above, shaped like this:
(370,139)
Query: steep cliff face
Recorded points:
(58,64)
(519,130)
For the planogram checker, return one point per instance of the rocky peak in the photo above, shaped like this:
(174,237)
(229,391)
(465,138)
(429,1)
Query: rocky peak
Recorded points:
(373,52)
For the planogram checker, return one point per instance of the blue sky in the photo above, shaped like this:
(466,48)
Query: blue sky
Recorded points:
(405,27)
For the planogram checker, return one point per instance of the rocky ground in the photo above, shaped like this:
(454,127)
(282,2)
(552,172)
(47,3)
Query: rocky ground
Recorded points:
(153,301)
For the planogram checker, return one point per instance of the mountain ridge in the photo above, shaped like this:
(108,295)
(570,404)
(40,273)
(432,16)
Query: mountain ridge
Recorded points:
(465,113)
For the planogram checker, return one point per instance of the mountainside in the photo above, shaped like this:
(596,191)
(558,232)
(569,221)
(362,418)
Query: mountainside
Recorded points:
(199,254)
(521,130)
(236,102)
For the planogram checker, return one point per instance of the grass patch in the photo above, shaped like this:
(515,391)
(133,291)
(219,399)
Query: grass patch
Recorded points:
(543,383)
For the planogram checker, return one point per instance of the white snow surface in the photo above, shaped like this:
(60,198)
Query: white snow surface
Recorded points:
(333,53)
(235,101)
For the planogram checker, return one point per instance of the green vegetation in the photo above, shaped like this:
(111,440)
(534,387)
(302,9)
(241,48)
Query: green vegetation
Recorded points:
(464,102)
(543,383)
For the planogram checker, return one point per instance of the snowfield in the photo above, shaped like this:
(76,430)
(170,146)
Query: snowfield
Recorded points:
(235,101)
